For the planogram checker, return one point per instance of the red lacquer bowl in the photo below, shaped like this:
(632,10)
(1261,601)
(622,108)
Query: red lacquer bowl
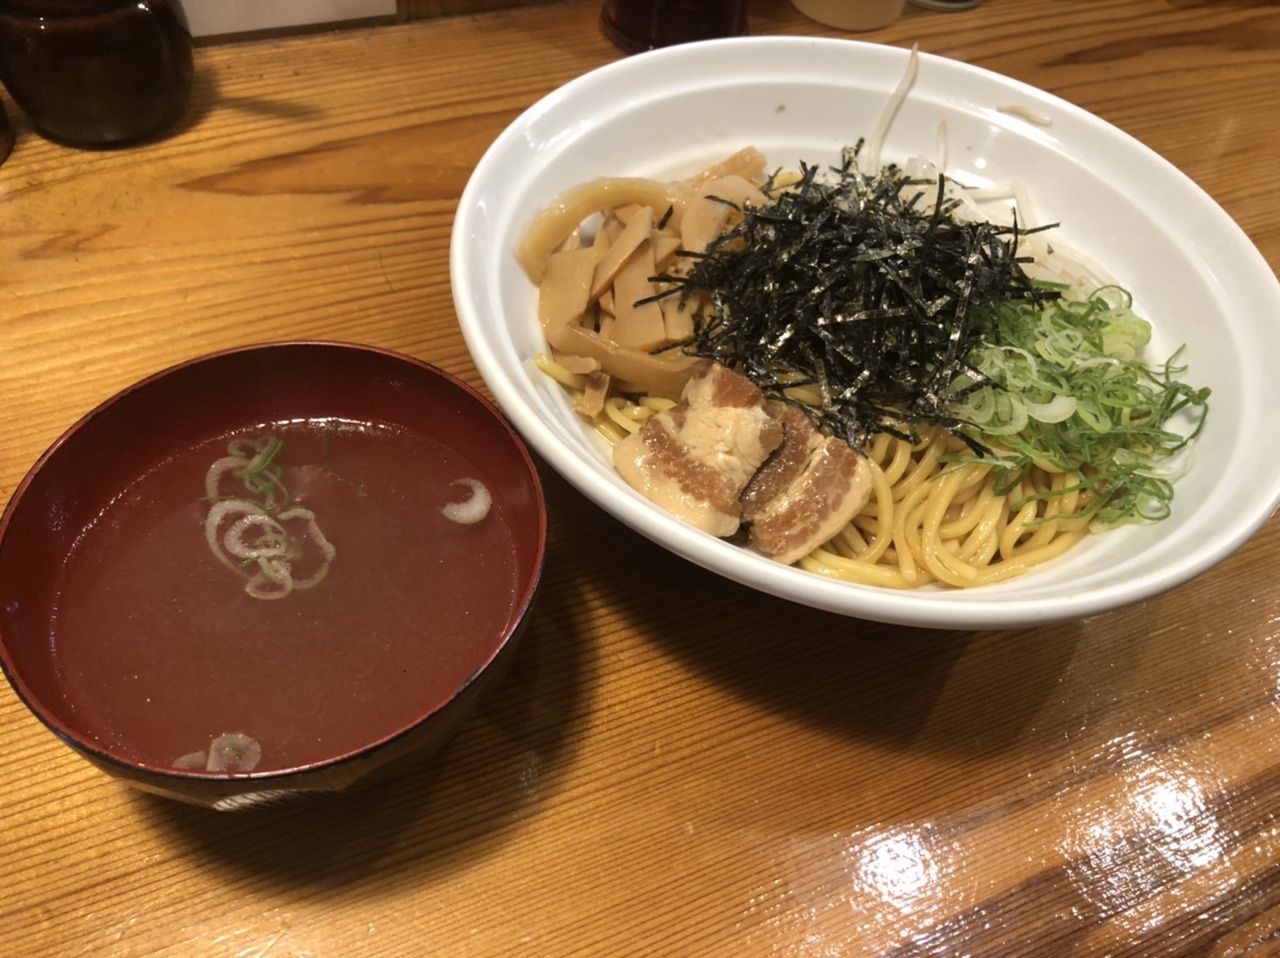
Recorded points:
(123,635)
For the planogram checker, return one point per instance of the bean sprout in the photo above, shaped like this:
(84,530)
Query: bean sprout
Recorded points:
(871,160)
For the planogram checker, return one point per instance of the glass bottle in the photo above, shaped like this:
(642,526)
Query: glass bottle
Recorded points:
(96,73)
(6,135)
(635,25)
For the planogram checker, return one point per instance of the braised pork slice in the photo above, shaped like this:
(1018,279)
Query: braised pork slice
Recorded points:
(805,493)
(695,459)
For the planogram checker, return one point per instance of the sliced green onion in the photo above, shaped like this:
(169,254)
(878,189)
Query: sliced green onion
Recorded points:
(1064,385)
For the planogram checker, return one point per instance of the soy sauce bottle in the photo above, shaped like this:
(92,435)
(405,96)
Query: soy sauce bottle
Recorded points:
(97,73)
(6,135)
(636,25)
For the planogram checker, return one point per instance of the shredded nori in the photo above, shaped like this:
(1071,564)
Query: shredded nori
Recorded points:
(851,283)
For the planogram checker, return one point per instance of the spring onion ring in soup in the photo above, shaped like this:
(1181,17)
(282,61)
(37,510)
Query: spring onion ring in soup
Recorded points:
(868,370)
(283,572)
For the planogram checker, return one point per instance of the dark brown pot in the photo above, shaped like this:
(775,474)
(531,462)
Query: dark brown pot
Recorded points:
(97,73)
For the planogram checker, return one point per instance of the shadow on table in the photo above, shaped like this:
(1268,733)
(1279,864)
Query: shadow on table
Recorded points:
(206,96)
(433,816)
(969,692)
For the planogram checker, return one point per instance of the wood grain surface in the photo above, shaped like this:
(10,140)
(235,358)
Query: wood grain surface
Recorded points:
(676,765)
(426,9)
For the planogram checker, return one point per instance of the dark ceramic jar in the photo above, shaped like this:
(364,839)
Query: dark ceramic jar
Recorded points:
(96,72)
(6,135)
(637,25)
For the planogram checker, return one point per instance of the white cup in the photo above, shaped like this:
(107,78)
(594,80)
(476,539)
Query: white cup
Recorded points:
(852,14)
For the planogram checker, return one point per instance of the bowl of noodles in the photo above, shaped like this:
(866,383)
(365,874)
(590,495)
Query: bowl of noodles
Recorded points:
(940,322)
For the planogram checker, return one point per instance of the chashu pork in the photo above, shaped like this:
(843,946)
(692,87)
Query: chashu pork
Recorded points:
(695,459)
(806,492)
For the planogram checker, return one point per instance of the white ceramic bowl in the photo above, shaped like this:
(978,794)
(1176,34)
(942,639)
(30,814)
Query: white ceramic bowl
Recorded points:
(1193,272)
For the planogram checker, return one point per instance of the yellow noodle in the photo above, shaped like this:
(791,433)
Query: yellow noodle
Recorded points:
(657,403)
(933,553)
(1058,505)
(1018,527)
(1000,571)
(924,468)
(879,445)
(981,545)
(809,395)
(848,542)
(906,528)
(613,408)
(978,494)
(608,432)
(634,411)
(883,535)
(867,521)
(854,570)
(981,542)
(901,460)
(559,373)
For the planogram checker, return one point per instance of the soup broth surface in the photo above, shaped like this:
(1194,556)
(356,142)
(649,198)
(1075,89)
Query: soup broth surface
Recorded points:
(161,651)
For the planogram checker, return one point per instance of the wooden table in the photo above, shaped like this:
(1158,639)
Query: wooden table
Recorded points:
(676,765)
